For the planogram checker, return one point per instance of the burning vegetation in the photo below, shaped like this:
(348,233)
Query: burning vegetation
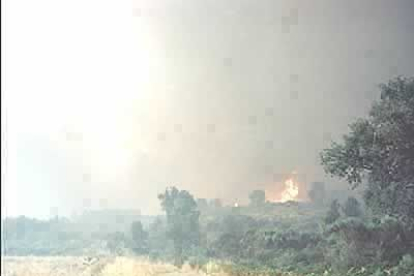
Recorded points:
(291,189)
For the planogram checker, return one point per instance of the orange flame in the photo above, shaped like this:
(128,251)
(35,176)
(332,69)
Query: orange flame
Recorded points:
(290,192)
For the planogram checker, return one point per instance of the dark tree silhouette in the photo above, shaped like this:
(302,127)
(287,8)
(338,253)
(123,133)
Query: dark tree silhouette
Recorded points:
(379,150)
(182,220)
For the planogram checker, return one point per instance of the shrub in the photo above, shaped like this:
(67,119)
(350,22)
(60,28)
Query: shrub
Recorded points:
(333,213)
(352,207)
(404,267)
(355,243)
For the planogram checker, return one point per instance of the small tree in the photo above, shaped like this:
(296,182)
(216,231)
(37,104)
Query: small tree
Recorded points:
(257,198)
(317,193)
(139,237)
(352,207)
(333,212)
(116,242)
(182,220)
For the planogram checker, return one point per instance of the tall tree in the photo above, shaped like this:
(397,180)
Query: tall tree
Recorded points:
(182,220)
(379,150)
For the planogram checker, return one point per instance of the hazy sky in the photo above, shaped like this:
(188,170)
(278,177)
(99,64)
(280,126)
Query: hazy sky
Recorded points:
(107,102)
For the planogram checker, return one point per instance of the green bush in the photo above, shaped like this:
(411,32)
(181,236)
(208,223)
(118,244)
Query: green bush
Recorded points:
(353,242)
(404,267)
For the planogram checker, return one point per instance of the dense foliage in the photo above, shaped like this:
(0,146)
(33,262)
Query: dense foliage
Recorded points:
(379,152)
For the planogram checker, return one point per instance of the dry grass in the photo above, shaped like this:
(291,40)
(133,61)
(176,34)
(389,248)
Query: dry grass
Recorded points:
(108,266)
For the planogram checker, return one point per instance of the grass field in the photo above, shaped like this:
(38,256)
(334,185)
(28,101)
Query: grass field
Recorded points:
(103,266)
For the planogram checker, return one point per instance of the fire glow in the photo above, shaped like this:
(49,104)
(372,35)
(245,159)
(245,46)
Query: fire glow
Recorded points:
(291,191)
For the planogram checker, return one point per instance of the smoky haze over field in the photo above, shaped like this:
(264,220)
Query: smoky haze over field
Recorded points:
(109,102)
